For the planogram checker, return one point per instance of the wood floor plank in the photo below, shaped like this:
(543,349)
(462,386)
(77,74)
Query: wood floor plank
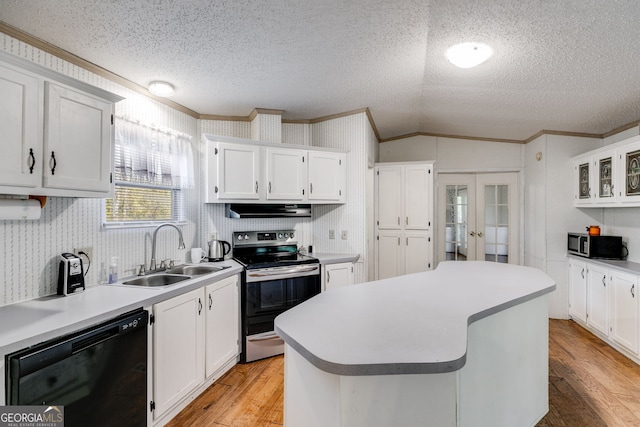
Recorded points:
(590,385)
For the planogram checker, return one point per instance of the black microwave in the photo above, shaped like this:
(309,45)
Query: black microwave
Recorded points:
(607,247)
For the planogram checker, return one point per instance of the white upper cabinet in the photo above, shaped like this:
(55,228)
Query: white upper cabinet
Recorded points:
(418,183)
(238,171)
(327,176)
(245,171)
(583,172)
(608,176)
(21,139)
(286,174)
(77,140)
(390,187)
(629,166)
(57,133)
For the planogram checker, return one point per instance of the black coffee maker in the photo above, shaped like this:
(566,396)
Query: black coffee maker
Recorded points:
(70,274)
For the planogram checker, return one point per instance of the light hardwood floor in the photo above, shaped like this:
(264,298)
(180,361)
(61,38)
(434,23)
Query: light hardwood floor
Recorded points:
(590,384)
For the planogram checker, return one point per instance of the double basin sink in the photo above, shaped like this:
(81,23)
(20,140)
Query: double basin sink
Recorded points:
(174,275)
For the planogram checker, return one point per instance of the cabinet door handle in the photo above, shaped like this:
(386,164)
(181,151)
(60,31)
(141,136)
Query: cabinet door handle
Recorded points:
(256,187)
(398,220)
(328,277)
(210,302)
(633,295)
(269,187)
(472,233)
(311,188)
(582,273)
(398,241)
(199,306)
(604,283)
(480,234)
(32,161)
(53,159)
(407,242)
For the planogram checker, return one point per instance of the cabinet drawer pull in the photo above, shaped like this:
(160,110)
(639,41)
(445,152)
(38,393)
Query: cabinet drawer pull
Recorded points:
(53,159)
(32,161)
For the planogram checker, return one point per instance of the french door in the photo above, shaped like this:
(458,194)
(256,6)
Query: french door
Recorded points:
(478,217)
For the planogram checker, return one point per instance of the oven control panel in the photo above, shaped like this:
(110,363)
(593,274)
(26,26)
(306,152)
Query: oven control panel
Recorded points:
(241,238)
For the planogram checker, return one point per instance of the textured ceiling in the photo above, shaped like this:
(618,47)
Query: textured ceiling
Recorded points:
(567,65)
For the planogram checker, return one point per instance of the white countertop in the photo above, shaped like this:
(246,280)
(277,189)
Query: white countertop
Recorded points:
(32,322)
(622,265)
(329,258)
(409,324)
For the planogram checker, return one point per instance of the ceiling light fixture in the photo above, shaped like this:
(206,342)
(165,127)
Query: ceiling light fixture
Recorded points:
(467,55)
(163,89)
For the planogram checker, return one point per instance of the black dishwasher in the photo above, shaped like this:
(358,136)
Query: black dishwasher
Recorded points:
(98,374)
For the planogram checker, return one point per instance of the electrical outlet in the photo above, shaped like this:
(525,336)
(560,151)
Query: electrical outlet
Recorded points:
(332,234)
(87,250)
(344,234)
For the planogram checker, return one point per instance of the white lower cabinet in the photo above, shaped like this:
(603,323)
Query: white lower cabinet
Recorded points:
(604,301)
(194,336)
(598,298)
(624,310)
(336,275)
(178,349)
(402,252)
(578,290)
(222,324)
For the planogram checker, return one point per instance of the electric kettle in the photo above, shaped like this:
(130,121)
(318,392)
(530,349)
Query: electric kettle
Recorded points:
(218,249)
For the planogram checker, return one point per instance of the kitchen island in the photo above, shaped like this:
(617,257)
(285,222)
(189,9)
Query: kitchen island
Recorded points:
(465,344)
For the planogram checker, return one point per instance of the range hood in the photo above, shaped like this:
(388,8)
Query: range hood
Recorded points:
(242,210)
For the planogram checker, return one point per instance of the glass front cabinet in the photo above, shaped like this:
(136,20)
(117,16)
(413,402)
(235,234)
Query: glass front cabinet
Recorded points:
(608,176)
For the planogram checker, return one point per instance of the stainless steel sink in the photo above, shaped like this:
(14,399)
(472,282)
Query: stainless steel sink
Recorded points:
(195,270)
(155,280)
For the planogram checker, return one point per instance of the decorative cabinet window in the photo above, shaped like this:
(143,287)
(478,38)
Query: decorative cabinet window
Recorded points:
(632,173)
(584,186)
(605,182)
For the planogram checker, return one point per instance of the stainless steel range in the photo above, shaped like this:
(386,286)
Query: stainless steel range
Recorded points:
(275,278)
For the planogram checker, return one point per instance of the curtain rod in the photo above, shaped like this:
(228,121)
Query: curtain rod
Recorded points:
(154,127)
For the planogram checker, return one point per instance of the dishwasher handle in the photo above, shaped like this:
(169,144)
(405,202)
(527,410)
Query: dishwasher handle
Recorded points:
(32,359)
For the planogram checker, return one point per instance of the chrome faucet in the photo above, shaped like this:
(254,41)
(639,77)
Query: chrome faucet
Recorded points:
(152,265)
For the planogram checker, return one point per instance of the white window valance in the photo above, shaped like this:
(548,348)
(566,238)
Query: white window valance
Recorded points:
(149,155)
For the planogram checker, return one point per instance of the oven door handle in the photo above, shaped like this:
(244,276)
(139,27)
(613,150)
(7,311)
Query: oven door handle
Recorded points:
(264,337)
(283,271)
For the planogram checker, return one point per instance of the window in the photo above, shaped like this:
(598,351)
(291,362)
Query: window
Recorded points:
(152,166)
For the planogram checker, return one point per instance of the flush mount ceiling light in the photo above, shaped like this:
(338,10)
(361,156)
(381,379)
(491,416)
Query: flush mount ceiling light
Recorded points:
(159,88)
(467,55)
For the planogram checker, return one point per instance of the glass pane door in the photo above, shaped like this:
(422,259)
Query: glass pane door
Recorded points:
(496,223)
(477,217)
(456,213)
(456,242)
(496,218)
